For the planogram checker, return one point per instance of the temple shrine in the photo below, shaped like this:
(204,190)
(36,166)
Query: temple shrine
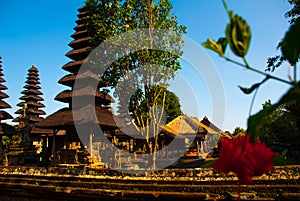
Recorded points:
(5,129)
(69,148)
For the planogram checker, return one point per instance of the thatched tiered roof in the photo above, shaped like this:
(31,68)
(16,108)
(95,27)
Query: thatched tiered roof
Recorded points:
(88,89)
(32,97)
(3,105)
(209,124)
(5,129)
(80,51)
(64,118)
(185,125)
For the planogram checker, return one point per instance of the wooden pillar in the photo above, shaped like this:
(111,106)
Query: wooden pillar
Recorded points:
(53,157)
(91,145)
(47,141)
(45,151)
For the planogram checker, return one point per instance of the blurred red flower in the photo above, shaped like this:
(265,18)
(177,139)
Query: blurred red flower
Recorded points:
(246,159)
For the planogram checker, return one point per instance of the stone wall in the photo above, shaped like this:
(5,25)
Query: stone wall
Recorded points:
(196,174)
(84,183)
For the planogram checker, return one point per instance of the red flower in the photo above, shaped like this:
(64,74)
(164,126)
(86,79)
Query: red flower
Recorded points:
(244,158)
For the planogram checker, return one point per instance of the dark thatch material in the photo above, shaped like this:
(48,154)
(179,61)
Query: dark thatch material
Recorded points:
(78,54)
(89,76)
(40,131)
(31,103)
(32,91)
(80,42)
(33,77)
(6,129)
(4,105)
(64,118)
(3,95)
(32,82)
(31,111)
(66,95)
(60,119)
(32,86)
(33,69)
(81,9)
(68,80)
(32,119)
(206,122)
(73,66)
(90,91)
(79,27)
(104,116)
(80,34)
(2,87)
(2,79)
(5,115)
(32,97)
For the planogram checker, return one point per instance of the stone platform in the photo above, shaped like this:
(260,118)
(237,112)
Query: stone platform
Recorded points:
(83,183)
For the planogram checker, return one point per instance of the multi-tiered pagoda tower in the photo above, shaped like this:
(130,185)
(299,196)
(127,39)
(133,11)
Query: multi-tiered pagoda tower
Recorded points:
(5,129)
(31,102)
(32,98)
(88,89)
(78,54)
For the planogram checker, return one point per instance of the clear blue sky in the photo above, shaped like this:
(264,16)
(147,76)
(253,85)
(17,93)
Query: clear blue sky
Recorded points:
(38,32)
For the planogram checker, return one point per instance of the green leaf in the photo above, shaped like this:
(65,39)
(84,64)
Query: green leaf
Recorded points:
(255,122)
(254,86)
(238,35)
(215,46)
(251,89)
(223,42)
(290,45)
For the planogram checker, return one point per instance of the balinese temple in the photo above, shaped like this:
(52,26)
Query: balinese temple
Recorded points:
(32,100)
(32,97)
(78,145)
(5,129)
(70,148)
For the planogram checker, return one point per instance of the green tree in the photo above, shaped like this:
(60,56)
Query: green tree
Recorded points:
(238,131)
(293,16)
(7,141)
(139,110)
(144,66)
(282,125)
(172,106)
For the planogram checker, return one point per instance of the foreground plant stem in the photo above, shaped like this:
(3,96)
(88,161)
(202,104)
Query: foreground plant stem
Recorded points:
(246,65)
